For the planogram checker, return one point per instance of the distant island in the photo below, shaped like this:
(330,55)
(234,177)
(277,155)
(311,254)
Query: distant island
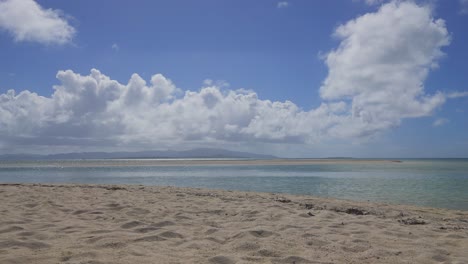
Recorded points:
(169,154)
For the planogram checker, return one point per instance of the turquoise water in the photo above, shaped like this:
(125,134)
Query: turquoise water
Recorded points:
(436,182)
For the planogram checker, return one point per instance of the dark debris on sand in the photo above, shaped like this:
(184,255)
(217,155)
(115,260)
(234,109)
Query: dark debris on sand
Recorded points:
(356,211)
(307,206)
(114,188)
(282,200)
(352,211)
(412,221)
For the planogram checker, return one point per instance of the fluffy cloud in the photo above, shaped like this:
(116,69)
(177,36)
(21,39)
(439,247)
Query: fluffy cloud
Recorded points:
(375,80)
(381,64)
(28,21)
(97,107)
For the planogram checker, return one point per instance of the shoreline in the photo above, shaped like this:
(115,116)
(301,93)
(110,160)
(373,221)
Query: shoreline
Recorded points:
(118,186)
(83,223)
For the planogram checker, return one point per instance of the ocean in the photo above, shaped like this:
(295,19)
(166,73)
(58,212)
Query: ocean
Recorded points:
(439,183)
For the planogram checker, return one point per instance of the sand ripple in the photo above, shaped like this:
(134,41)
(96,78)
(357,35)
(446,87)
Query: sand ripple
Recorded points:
(138,224)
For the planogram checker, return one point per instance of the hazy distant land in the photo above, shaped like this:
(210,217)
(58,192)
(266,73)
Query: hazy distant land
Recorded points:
(164,154)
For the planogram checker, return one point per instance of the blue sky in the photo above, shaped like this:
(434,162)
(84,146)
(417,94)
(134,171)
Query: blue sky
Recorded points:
(274,50)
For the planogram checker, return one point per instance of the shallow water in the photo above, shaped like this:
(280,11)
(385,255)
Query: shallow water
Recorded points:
(430,182)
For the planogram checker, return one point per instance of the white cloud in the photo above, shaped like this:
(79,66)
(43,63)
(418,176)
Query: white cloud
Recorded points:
(373,2)
(282,4)
(440,122)
(375,80)
(115,47)
(370,2)
(463,6)
(97,107)
(381,64)
(457,94)
(218,83)
(208,82)
(26,20)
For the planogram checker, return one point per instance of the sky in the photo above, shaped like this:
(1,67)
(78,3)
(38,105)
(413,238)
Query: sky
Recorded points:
(297,78)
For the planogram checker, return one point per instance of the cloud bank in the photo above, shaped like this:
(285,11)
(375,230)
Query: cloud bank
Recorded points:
(375,80)
(26,20)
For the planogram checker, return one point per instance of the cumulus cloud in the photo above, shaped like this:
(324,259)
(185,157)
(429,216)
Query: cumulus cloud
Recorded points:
(375,80)
(381,64)
(95,106)
(282,4)
(26,20)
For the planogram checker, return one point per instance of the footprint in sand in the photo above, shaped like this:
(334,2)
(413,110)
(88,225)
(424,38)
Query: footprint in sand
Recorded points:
(137,212)
(103,231)
(355,249)
(222,260)
(11,229)
(267,253)
(149,239)
(163,223)
(440,258)
(211,231)
(261,233)
(248,246)
(66,256)
(115,206)
(293,259)
(78,212)
(456,236)
(146,229)
(31,205)
(182,217)
(113,245)
(26,234)
(170,234)
(92,240)
(34,245)
(131,224)
(317,242)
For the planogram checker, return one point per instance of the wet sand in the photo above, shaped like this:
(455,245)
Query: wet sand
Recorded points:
(144,224)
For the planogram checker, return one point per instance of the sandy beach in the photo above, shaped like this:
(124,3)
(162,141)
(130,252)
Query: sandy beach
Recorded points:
(147,224)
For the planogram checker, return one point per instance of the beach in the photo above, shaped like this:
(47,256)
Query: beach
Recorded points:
(71,223)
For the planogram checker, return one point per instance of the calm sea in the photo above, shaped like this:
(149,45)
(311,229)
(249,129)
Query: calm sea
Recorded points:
(429,182)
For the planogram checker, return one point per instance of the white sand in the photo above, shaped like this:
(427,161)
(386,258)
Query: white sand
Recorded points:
(136,224)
